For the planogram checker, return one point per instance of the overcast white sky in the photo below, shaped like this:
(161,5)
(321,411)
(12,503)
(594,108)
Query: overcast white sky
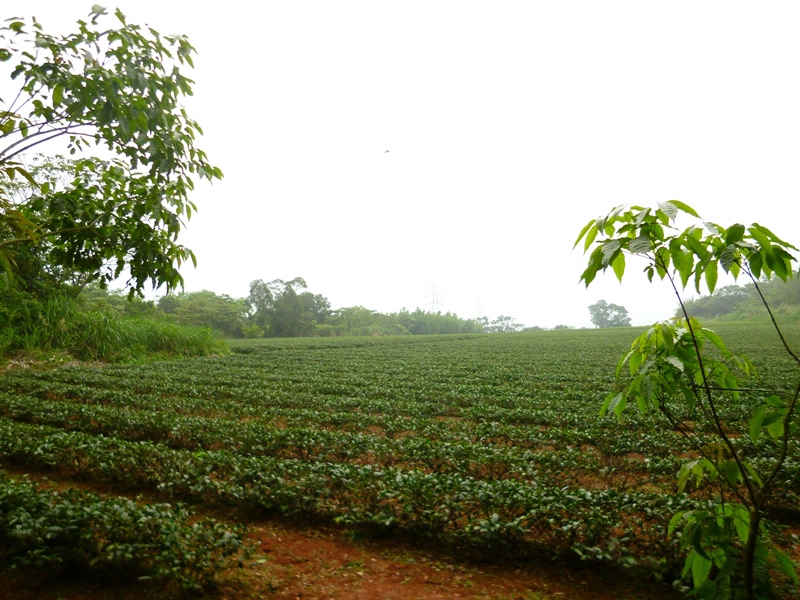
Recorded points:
(508,124)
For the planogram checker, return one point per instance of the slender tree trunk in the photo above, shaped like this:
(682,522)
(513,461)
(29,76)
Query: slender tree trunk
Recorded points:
(750,553)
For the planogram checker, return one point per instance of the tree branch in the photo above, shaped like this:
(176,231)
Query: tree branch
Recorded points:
(751,491)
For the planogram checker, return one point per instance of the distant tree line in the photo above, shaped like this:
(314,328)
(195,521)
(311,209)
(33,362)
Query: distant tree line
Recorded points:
(742,303)
(287,309)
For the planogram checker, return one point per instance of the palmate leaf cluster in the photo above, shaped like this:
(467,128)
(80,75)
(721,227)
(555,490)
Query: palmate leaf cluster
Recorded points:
(694,253)
(118,90)
(683,371)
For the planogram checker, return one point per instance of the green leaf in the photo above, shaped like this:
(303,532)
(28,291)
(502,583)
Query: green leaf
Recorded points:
(688,395)
(692,239)
(662,261)
(58,94)
(675,362)
(735,233)
(701,567)
(641,215)
(674,521)
(635,359)
(741,522)
(716,340)
(727,257)
(713,228)
(620,406)
(697,538)
(774,426)
(640,245)
(755,262)
(618,265)
(756,423)
(711,275)
(785,564)
(730,470)
(610,403)
(760,237)
(777,264)
(590,238)
(669,209)
(583,232)
(775,239)
(595,264)
(683,207)
(705,466)
(735,269)
(609,248)
(683,261)
(774,401)
(753,473)
(683,476)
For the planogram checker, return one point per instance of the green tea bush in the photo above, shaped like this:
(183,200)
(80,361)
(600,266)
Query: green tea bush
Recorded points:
(55,532)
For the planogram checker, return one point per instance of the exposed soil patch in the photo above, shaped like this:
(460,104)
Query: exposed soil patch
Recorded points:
(323,563)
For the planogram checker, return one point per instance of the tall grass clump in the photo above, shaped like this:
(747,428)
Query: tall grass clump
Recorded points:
(30,324)
(104,335)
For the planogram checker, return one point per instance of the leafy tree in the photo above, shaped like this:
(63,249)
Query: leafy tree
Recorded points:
(354,320)
(288,312)
(280,311)
(316,307)
(504,324)
(94,297)
(421,322)
(609,315)
(120,89)
(260,302)
(723,301)
(225,315)
(685,371)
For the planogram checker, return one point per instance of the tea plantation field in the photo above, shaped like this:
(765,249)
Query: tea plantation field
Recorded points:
(483,443)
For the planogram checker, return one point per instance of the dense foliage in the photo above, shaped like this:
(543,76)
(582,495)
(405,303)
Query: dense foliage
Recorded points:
(485,443)
(67,222)
(119,88)
(743,303)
